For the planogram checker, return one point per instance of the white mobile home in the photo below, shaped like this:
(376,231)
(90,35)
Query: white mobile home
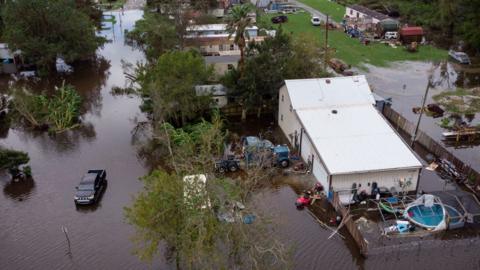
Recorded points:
(217,91)
(361,12)
(346,142)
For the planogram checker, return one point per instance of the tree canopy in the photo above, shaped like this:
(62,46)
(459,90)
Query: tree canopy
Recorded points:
(269,63)
(58,112)
(155,33)
(237,22)
(44,30)
(11,159)
(168,86)
(184,213)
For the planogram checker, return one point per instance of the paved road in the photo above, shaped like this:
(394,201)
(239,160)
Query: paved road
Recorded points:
(311,10)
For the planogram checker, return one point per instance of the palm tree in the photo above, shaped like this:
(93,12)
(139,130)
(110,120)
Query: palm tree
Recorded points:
(237,22)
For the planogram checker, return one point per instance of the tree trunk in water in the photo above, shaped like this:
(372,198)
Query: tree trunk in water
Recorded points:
(244,114)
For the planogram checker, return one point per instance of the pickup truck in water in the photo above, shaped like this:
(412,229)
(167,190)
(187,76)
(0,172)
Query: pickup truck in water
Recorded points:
(91,186)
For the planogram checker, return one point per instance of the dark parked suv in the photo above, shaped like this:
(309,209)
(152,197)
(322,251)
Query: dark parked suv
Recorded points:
(90,187)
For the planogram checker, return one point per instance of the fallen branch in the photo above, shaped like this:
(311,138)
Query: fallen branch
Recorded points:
(324,225)
(341,225)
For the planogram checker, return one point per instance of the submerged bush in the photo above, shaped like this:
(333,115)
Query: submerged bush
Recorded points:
(58,112)
(11,159)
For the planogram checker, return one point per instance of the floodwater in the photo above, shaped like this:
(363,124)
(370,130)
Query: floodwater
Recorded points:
(312,248)
(32,213)
(406,83)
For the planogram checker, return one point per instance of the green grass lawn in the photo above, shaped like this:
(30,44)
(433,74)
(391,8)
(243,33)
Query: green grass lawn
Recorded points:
(350,49)
(336,11)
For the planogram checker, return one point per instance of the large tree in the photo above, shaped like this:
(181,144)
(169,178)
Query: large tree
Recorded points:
(186,215)
(268,64)
(155,33)
(237,23)
(168,86)
(44,30)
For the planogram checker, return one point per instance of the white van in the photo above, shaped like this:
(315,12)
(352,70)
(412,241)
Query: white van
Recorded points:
(391,35)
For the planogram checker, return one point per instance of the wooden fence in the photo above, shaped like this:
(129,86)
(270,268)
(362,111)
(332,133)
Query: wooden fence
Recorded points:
(350,225)
(430,144)
(236,110)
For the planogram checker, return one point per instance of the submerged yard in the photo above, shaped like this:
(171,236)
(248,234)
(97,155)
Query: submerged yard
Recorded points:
(350,49)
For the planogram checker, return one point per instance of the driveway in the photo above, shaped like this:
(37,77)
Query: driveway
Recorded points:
(311,10)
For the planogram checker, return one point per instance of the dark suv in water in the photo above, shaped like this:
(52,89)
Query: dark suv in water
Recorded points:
(90,187)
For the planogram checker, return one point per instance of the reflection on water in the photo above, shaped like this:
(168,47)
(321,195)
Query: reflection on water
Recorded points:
(30,231)
(19,190)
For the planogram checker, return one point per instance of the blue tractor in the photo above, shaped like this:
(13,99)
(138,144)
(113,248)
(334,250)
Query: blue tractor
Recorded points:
(281,156)
(264,152)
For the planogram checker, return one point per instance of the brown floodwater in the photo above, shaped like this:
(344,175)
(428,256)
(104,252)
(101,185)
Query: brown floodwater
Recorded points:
(33,212)
(406,82)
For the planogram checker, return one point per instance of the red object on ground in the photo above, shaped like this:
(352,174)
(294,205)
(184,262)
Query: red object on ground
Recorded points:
(303,201)
(411,31)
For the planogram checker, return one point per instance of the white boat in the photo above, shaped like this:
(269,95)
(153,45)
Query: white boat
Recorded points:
(461,57)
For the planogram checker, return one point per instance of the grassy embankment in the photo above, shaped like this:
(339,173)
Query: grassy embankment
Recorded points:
(336,11)
(351,50)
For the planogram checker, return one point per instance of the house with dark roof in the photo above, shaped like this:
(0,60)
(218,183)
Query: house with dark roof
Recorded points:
(361,12)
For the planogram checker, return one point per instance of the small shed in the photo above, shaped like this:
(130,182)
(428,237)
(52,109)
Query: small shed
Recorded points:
(217,91)
(411,34)
(387,25)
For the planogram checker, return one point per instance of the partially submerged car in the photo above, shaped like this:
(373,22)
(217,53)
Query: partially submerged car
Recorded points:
(90,187)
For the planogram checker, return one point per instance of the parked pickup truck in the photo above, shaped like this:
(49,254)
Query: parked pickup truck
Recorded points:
(91,186)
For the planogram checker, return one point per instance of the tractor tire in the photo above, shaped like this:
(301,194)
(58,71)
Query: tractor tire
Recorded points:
(284,163)
(233,168)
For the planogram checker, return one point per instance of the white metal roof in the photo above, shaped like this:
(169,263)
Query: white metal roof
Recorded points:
(317,93)
(356,139)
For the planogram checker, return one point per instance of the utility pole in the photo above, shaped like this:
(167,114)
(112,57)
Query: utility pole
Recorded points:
(326,45)
(414,136)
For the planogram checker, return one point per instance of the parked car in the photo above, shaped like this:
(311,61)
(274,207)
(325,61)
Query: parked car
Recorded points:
(90,187)
(280,19)
(391,35)
(315,21)
(230,164)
